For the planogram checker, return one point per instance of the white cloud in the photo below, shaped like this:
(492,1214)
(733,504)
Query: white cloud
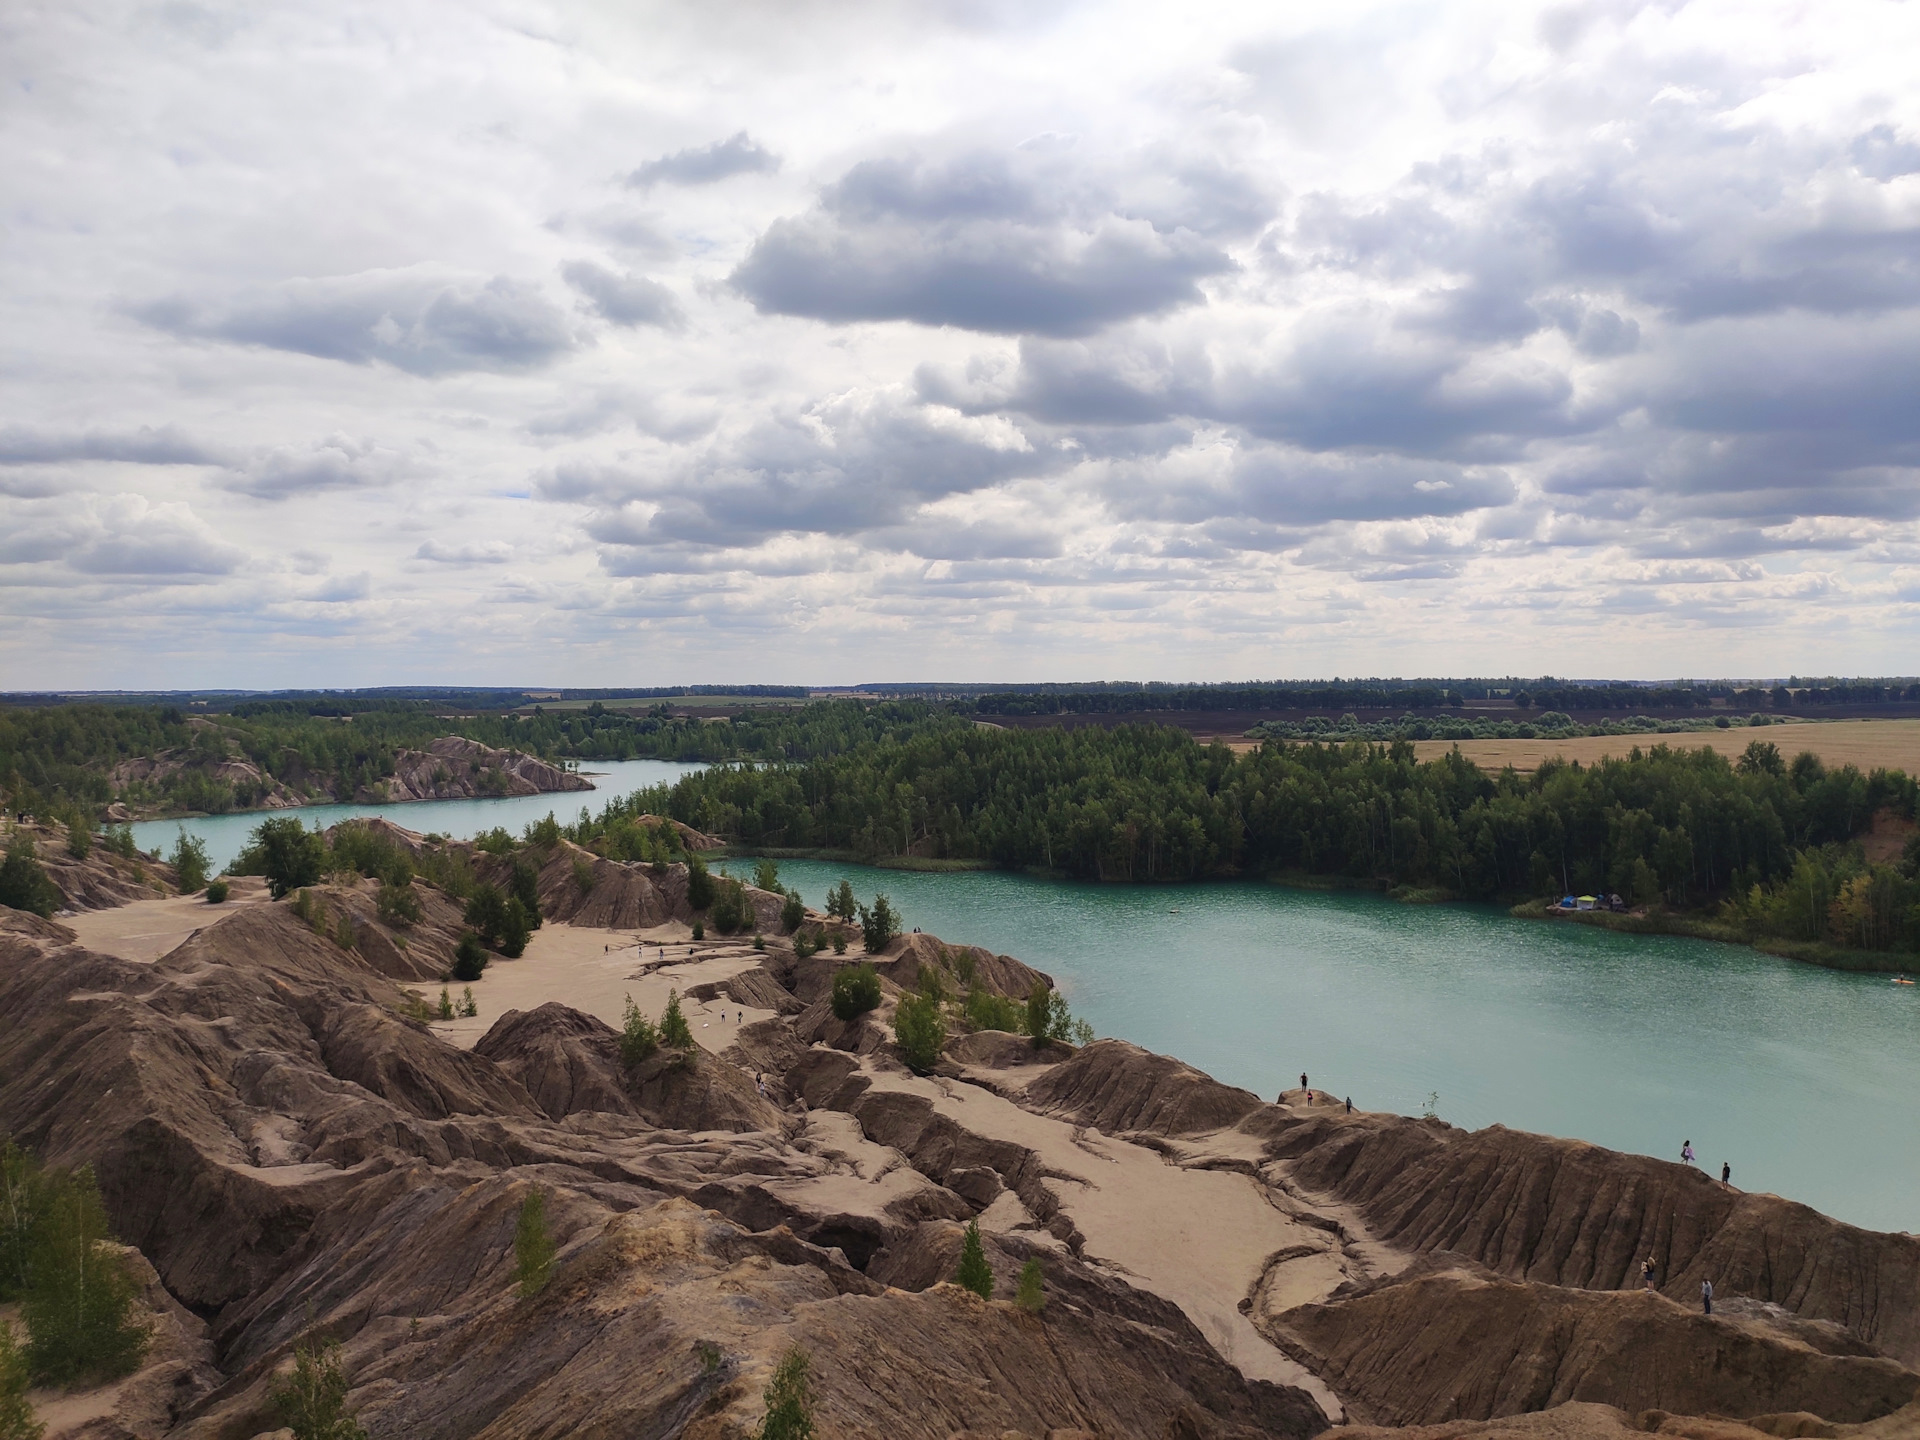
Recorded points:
(1071,339)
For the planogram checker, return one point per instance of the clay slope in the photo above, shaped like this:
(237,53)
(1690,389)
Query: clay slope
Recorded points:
(1564,1212)
(1122,1088)
(102,881)
(455,768)
(290,1152)
(1458,1344)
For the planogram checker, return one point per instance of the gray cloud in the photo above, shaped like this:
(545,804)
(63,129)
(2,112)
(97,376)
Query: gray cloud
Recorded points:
(981,242)
(164,445)
(624,299)
(119,537)
(416,320)
(844,467)
(736,155)
(338,462)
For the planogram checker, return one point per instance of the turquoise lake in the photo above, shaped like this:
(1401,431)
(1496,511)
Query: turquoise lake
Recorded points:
(226,835)
(1806,1080)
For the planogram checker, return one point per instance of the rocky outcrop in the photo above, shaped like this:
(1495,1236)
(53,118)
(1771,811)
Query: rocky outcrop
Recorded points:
(570,1063)
(1564,1212)
(1121,1088)
(102,881)
(1460,1343)
(455,768)
(960,966)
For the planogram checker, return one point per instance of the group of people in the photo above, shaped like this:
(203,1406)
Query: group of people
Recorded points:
(1311,1098)
(1686,1158)
(1649,1271)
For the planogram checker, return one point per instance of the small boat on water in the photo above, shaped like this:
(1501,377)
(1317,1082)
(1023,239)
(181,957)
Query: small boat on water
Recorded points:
(1901,980)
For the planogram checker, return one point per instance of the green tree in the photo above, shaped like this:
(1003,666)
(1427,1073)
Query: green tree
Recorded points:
(789,1400)
(445,1011)
(533,1247)
(23,1200)
(731,910)
(312,1397)
(879,925)
(398,906)
(1031,1297)
(1040,1007)
(17,1421)
(856,990)
(79,838)
(288,854)
(469,957)
(674,1030)
(80,1298)
(793,914)
(699,884)
(190,864)
(23,883)
(840,902)
(486,912)
(639,1037)
(975,1273)
(921,1030)
(515,929)
(766,876)
(217,892)
(525,887)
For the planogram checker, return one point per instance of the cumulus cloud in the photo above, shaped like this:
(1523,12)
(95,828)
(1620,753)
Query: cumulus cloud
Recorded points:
(624,299)
(418,320)
(117,537)
(848,465)
(338,462)
(736,155)
(982,241)
(1228,338)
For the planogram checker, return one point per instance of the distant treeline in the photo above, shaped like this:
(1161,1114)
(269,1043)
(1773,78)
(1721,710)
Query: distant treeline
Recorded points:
(1116,701)
(58,760)
(1684,828)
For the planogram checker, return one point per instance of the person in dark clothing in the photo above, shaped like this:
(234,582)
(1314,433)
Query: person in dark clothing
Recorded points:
(1349,1104)
(1726,1172)
(1706,1297)
(1303,1079)
(1646,1273)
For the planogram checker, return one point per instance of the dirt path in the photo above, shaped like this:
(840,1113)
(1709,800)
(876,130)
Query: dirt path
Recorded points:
(148,929)
(595,970)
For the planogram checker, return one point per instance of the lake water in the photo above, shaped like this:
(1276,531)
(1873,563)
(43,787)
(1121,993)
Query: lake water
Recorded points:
(1806,1080)
(226,835)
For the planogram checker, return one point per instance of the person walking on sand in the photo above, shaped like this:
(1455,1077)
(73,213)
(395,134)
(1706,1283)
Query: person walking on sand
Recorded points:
(1706,1297)
(1686,1152)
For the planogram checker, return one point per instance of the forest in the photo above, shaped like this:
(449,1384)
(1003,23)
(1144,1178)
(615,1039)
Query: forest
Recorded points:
(1767,843)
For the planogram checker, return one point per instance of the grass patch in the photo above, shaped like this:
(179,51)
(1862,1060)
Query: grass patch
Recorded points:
(1422,894)
(1302,880)
(932,866)
(1699,927)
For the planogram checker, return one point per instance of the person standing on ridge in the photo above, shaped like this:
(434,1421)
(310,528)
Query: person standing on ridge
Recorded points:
(1706,1297)
(1646,1274)
(1303,1079)
(1686,1152)
(1726,1173)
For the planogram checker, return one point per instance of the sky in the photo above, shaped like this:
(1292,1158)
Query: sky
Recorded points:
(631,344)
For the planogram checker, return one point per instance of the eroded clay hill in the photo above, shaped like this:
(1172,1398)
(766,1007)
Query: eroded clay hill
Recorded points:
(290,1151)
